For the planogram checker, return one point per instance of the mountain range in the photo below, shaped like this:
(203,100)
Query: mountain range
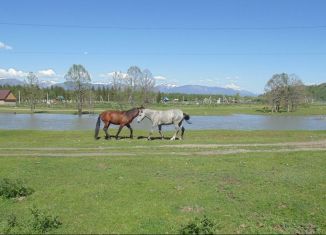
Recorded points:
(203,90)
(164,88)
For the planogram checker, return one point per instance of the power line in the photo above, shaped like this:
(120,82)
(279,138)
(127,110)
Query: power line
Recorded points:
(163,53)
(174,28)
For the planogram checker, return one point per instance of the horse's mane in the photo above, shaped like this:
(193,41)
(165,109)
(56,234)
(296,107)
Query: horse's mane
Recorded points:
(130,111)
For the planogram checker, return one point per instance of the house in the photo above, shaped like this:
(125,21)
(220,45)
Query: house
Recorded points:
(165,99)
(7,98)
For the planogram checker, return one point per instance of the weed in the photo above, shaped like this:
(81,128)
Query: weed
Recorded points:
(199,226)
(42,222)
(14,188)
(11,223)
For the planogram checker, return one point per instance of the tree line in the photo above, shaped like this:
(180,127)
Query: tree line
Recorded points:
(136,86)
(283,92)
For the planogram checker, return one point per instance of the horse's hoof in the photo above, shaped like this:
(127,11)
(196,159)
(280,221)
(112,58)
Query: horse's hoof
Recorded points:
(131,137)
(97,138)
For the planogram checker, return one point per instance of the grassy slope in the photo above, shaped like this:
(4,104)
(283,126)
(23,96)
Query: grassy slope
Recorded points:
(261,192)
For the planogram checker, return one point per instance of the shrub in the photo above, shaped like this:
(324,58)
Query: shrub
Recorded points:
(14,188)
(42,222)
(199,226)
(11,223)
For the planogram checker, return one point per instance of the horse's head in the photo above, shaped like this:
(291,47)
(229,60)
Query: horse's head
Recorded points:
(141,114)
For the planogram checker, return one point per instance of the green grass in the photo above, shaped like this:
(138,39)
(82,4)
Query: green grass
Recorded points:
(81,139)
(192,109)
(139,186)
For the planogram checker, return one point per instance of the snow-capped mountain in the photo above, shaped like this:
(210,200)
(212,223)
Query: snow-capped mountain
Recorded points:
(204,90)
(11,82)
(165,88)
(46,84)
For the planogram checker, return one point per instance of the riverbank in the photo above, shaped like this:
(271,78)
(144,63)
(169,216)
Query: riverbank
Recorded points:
(54,121)
(243,181)
(221,109)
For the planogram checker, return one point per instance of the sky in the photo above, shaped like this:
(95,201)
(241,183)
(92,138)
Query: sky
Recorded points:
(227,43)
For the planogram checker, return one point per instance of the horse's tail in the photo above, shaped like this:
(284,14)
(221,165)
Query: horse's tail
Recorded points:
(97,127)
(186,117)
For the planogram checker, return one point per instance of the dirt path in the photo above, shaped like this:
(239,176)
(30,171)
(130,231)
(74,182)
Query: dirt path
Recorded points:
(170,150)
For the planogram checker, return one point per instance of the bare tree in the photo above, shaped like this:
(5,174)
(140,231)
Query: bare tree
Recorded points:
(134,74)
(295,93)
(33,91)
(117,84)
(284,90)
(146,84)
(80,78)
(274,89)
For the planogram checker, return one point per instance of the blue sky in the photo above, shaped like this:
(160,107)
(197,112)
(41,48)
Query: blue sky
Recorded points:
(231,43)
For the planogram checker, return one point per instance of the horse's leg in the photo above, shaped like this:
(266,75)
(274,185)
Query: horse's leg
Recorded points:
(120,128)
(131,131)
(177,129)
(160,131)
(182,131)
(106,130)
(151,132)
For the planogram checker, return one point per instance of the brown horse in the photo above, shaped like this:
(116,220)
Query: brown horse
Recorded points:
(122,118)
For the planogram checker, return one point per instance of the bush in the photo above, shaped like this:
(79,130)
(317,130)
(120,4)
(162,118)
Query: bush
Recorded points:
(14,188)
(11,223)
(42,222)
(199,226)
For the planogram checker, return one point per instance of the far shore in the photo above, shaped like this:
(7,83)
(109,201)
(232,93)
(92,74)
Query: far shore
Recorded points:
(193,109)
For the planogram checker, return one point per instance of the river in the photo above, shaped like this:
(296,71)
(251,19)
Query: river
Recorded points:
(227,122)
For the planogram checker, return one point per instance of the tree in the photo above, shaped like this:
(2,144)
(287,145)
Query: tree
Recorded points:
(118,79)
(80,78)
(134,74)
(274,91)
(159,97)
(146,85)
(284,90)
(33,91)
(295,93)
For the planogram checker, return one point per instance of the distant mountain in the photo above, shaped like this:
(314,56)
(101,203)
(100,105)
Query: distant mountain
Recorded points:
(11,82)
(46,84)
(70,86)
(203,90)
(166,88)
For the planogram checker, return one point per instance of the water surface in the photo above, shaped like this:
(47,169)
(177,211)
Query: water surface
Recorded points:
(228,122)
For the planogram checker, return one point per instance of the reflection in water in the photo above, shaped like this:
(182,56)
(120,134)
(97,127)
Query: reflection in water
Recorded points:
(230,122)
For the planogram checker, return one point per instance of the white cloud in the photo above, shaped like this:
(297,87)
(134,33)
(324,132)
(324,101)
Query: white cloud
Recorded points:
(168,85)
(12,73)
(160,77)
(5,46)
(19,74)
(48,73)
(232,86)
(111,74)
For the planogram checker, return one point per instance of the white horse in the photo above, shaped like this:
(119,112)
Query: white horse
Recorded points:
(167,117)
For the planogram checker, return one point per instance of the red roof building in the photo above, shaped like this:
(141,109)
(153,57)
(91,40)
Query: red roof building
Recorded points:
(7,97)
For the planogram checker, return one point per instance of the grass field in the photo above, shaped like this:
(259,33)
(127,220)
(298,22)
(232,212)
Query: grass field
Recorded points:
(243,181)
(192,109)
